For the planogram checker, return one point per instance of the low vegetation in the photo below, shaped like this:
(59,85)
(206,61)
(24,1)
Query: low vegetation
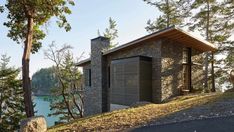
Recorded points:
(132,117)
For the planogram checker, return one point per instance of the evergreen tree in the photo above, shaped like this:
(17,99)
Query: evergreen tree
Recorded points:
(111,32)
(203,20)
(1,9)
(25,21)
(211,20)
(173,12)
(227,46)
(68,101)
(11,97)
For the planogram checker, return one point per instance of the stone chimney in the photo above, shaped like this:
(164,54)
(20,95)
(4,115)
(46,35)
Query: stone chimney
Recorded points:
(99,91)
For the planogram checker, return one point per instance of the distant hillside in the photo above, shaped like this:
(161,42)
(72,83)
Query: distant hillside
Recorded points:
(43,81)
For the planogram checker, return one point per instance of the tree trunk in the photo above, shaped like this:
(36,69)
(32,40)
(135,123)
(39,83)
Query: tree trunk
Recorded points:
(25,70)
(207,38)
(206,71)
(77,106)
(212,73)
(64,97)
(168,14)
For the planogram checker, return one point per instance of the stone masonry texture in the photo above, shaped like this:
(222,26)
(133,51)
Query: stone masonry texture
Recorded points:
(93,96)
(167,71)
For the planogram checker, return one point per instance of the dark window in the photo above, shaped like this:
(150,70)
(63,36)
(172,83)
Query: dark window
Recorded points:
(109,76)
(89,77)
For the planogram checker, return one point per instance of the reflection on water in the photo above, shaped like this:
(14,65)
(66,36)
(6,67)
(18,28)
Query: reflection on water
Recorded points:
(43,108)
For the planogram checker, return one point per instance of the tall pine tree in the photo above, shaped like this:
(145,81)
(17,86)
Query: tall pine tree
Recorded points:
(11,97)
(173,12)
(226,63)
(210,19)
(25,21)
(111,32)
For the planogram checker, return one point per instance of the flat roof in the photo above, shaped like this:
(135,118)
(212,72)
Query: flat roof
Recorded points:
(173,33)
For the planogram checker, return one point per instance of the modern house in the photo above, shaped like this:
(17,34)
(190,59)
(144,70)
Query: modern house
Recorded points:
(153,68)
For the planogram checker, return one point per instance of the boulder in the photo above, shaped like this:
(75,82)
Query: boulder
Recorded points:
(33,124)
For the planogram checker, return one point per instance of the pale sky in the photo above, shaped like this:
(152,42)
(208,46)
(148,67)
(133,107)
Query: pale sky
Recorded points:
(88,16)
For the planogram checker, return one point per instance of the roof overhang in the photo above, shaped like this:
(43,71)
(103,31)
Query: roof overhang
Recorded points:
(173,33)
(83,62)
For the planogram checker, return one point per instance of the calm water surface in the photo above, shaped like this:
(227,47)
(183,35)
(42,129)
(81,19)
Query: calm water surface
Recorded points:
(43,108)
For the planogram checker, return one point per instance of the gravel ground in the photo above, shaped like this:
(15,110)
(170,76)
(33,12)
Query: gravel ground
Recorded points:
(221,108)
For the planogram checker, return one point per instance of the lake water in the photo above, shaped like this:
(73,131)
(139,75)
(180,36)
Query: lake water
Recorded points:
(43,108)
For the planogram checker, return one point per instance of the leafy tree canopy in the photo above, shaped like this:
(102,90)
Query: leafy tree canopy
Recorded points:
(25,21)
(41,11)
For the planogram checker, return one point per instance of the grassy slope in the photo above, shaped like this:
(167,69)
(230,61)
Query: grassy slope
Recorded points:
(126,118)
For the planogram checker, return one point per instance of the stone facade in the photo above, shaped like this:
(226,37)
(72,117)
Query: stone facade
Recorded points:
(96,93)
(167,71)
(171,69)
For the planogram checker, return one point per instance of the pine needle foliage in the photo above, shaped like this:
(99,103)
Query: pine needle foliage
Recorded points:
(173,12)
(67,101)
(11,97)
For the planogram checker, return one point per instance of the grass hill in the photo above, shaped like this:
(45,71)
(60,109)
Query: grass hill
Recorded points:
(141,115)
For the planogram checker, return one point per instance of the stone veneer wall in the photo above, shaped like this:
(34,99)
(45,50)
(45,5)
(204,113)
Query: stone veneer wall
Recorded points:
(94,95)
(152,49)
(167,69)
(167,72)
(172,69)
(87,93)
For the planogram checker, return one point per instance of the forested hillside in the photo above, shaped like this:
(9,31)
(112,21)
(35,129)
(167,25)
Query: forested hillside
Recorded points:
(43,81)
